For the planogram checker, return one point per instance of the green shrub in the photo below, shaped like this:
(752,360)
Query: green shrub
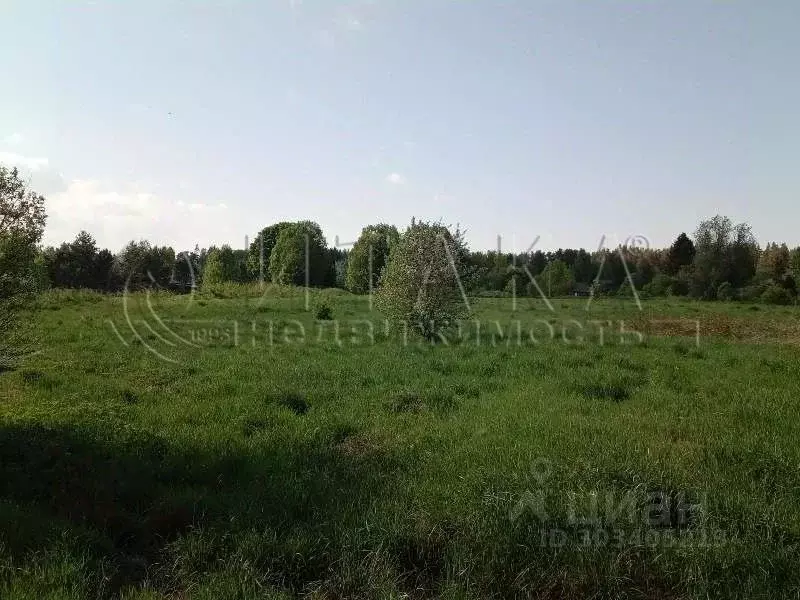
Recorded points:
(679,287)
(752,293)
(725,291)
(788,282)
(324,311)
(775,294)
(660,285)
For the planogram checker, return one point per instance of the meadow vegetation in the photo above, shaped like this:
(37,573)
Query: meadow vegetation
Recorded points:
(472,433)
(246,444)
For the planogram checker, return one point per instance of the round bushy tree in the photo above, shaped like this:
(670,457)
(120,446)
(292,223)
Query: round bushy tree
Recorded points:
(223,265)
(421,283)
(300,247)
(368,257)
(260,251)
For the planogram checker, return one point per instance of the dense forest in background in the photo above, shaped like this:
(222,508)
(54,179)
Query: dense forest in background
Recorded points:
(721,261)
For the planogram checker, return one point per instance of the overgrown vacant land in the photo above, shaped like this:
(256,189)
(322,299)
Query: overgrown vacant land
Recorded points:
(265,459)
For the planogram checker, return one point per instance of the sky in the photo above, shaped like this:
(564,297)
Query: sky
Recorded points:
(573,123)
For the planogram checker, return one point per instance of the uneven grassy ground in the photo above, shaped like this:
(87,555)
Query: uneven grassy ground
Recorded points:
(200,457)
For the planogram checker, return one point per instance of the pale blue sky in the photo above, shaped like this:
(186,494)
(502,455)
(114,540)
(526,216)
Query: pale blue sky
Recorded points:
(200,122)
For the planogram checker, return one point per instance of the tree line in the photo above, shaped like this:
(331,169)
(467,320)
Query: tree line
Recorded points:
(721,261)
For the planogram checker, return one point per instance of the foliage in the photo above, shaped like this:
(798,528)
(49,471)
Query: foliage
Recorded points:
(753,292)
(299,256)
(643,271)
(681,284)
(660,285)
(18,276)
(368,257)
(141,265)
(78,264)
(104,270)
(260,252)
(22,211)
(788,282)
(225,265)
(724,252)
(187,272)
(22,220)
(583,269)
(514,285)
(40,274)
(794,263)
(485,271)
(421,285)
(775,294)
(324,312)
(680,254)
(214,270)
(556,279)
(339,258)
(774,262)
(725,292)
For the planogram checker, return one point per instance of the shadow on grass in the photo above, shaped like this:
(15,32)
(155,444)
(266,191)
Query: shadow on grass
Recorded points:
(133,494)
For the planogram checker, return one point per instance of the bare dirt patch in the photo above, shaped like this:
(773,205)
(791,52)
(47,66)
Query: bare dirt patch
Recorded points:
(739,329)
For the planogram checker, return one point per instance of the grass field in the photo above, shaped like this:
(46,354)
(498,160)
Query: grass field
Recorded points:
(228,445)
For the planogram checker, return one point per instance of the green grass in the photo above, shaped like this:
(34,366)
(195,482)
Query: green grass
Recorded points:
(284,460)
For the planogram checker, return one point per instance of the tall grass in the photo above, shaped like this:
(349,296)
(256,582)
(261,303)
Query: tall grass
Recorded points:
(350,467)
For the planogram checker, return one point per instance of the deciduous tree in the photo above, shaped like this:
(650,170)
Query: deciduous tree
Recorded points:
(141,265)
(421,283)
(299,256)
(774,262)
(260,251)
(556,279)
(724,252)
(368,257)
(22,220)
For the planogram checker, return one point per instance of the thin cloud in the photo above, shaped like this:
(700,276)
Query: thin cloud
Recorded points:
(14,139)
(395,179)
(116,214)
(200,206)
(28,162)
(351,23)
